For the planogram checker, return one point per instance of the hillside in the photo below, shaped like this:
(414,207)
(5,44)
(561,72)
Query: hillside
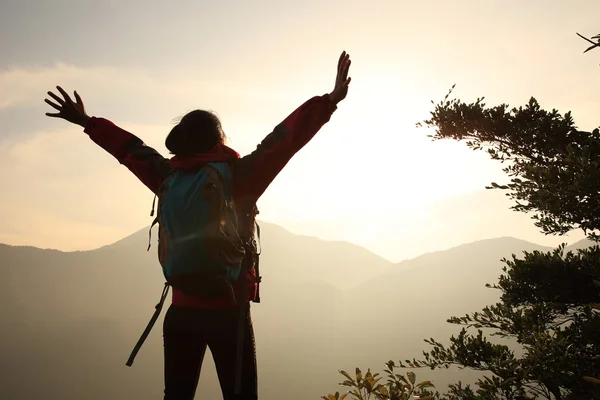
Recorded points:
(70,319)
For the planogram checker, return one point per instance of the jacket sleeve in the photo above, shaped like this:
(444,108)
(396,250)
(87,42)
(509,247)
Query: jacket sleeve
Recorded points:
(253,173)
(146,163)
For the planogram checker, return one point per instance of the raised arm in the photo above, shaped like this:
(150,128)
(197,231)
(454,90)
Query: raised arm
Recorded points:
(145,162)
(255,172)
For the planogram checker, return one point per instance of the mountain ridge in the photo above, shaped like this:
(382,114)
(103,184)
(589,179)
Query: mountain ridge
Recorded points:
(135,239)
(71,318)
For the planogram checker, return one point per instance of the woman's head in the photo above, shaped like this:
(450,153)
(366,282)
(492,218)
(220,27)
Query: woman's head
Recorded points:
(197,132)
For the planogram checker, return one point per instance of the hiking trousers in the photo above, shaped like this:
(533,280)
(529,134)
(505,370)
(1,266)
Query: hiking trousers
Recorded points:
(186,334)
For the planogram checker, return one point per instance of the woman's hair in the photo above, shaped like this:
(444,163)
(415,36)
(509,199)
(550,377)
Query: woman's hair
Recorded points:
(197,132)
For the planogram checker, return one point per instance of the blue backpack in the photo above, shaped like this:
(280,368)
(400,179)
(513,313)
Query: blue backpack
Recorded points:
(201,247)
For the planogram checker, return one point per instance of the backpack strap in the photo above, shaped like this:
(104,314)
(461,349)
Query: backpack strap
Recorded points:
(258,251)
(245,305)
(243,312)
(157,194)
(150,232)
(150,325)
(258,247)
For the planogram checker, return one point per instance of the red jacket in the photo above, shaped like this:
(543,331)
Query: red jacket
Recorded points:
(251,174)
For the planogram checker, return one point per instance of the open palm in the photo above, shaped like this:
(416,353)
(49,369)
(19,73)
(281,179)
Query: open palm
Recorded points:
(342,81)
(72,111)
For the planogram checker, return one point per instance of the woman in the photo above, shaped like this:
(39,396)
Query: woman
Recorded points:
(191,323)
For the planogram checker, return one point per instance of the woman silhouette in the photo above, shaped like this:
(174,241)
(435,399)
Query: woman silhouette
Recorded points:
(192,323)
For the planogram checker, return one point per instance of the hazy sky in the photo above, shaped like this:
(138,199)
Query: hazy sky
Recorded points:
(369,176)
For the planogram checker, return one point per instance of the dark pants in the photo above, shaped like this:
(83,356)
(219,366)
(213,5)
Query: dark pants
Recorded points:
(187,332)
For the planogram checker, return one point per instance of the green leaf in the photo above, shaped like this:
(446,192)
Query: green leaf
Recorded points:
(342,397)
(358,375)
(347,375)
(411,377)
(425,384)
(368,384)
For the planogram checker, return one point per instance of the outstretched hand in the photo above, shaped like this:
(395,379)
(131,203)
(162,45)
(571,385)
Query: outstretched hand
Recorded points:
(73,112)
(342,80)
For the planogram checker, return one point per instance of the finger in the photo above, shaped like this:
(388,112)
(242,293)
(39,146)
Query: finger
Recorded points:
(65,94)
(341,60)
(55,115)
(55,97)
(78,98)
(59,108)
(343,88)
(346,68)
(339,79)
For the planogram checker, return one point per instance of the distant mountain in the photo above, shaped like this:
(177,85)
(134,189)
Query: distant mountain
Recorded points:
(419,295)
(582,244)
(292,258)
(71,319)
